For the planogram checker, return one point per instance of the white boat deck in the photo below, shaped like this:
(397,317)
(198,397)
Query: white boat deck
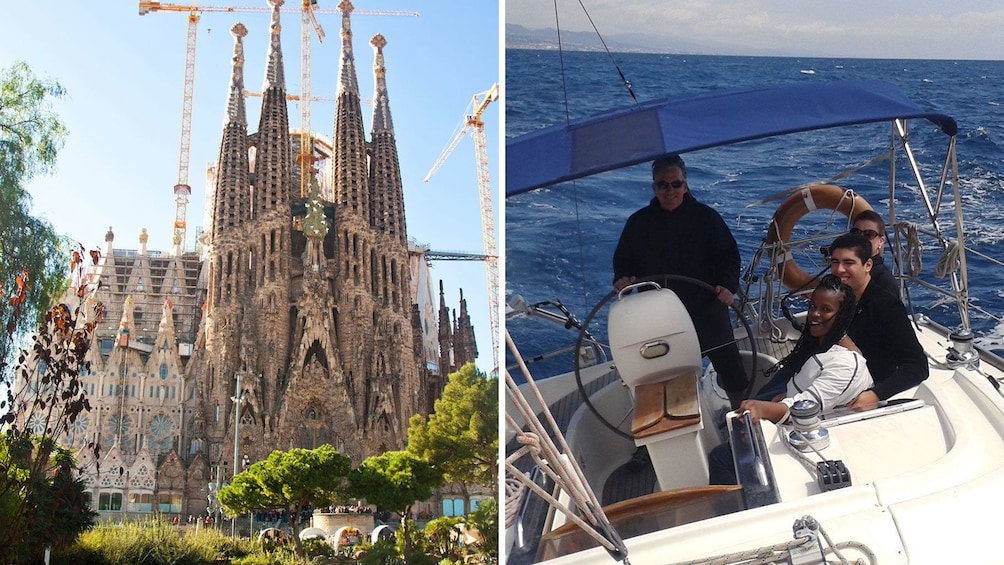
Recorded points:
(923,482)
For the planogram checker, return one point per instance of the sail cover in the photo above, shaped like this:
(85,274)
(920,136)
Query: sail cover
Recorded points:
(649,130)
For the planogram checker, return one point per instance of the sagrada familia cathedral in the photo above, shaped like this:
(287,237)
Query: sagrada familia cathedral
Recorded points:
(304,319)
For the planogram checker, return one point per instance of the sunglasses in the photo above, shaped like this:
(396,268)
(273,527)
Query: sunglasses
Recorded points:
(663,185)
(870,234)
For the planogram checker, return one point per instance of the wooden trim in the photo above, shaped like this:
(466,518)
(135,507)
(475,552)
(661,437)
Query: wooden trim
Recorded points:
(649,504)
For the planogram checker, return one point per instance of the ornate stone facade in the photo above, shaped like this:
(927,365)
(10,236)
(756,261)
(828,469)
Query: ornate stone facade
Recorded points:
(308,296)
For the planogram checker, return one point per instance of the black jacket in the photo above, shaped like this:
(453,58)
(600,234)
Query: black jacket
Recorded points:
(886,337)
(692,240)
(882,277)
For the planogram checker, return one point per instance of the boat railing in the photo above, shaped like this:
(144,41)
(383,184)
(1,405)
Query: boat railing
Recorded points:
(765,298)
(591,355)
(592,352)
(905,256)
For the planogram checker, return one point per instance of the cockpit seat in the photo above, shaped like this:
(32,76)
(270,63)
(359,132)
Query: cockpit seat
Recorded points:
(658,355)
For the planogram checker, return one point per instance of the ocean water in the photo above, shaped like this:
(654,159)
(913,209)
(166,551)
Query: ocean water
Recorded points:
(559,240)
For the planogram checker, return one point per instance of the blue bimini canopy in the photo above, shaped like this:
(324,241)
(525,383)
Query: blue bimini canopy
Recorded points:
(643,132)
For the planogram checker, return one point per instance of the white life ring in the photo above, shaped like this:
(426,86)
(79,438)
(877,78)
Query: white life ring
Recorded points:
(816,197)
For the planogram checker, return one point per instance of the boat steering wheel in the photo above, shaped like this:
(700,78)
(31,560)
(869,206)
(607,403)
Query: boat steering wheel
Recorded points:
(583,330)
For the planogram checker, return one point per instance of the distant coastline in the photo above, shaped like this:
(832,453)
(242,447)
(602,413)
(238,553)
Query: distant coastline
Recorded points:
(521,37)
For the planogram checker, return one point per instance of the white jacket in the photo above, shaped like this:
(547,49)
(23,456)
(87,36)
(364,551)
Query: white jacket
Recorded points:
(832,378)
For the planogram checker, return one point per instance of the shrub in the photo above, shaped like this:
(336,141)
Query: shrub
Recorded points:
(152,542)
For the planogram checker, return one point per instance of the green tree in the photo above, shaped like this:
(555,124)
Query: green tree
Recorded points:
(444,535)
(293,480)
(460,437)
(32,256)
(486,521)
(56,506)
(395,480)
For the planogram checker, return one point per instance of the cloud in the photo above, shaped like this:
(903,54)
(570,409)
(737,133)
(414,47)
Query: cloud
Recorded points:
(853,28)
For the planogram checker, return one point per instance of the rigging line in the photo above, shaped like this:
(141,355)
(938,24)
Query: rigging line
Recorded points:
(582,254)
(627,83)
(789,191)
(561,62)
(575,186)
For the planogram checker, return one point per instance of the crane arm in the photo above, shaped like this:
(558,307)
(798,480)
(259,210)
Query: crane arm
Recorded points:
(147,7)
(491,95)
(306,156)
(472,119)
(446,153)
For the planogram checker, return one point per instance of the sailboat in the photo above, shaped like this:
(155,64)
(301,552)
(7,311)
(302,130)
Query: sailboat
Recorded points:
(905,482)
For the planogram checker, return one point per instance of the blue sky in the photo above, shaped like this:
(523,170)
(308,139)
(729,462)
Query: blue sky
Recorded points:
(922,29)
(124,76)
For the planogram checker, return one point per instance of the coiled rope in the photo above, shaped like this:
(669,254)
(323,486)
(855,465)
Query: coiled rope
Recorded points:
(914,249)
(561,468)
(514,492)
(779,552)
(947,263)
(949,260)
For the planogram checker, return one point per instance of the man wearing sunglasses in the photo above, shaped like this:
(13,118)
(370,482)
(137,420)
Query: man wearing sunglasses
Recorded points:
(677,235)
(871,225)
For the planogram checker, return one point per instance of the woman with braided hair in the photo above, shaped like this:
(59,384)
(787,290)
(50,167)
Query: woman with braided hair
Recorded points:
(825,366)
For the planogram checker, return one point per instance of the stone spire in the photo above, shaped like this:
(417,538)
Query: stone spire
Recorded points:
(445,341)
(262,352)
(273,160)
(386,192)
(464,343)
(349,162)
(347,71)
(236,111)
(105,269)
(381,110)
(232,181)
(165,331)
(274,74)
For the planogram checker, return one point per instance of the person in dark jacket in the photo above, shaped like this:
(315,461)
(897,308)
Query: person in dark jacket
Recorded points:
(880,328)
(677,235)
(871,225)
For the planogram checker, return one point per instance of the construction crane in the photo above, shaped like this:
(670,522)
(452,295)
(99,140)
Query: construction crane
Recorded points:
(296,98)
(306,157)
(472,122)
(182,190)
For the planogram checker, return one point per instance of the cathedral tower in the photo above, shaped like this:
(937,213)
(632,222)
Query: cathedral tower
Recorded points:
(353,238)
(269,238)
(227,260)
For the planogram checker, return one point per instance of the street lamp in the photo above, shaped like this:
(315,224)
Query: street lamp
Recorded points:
(238,399)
